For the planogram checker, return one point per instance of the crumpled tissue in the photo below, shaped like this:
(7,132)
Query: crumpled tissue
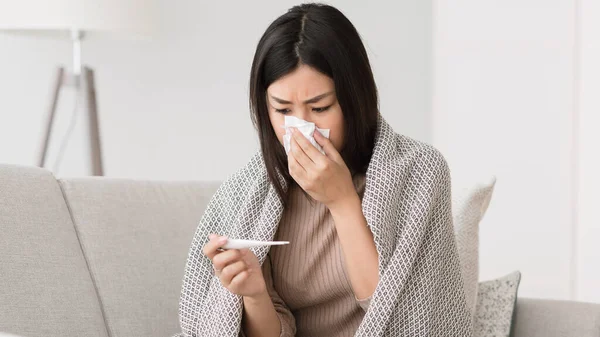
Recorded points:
(306,128)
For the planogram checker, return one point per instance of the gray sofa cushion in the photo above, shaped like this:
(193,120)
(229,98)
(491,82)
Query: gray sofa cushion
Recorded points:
(136,236)
(45,287)
(546,318)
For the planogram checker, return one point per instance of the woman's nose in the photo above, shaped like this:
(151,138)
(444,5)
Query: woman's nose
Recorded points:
(303,114)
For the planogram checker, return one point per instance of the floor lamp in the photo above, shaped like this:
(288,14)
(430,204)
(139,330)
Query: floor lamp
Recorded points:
(76,18)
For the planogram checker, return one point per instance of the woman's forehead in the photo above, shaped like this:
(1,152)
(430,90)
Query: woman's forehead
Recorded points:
(303,81)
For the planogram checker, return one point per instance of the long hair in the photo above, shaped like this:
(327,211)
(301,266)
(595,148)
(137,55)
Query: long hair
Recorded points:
(321,37)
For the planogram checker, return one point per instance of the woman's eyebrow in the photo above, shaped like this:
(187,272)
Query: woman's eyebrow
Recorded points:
(318,98)
(308,101)
(279,100)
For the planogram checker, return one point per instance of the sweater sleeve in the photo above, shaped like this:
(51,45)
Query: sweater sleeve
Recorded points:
(286,318)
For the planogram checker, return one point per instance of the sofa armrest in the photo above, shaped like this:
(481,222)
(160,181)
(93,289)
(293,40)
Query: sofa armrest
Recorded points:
(548,318)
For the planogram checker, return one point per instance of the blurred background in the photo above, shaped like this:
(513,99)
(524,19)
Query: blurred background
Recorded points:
(506,88)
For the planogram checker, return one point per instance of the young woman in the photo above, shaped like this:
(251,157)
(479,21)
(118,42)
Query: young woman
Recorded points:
(372,249)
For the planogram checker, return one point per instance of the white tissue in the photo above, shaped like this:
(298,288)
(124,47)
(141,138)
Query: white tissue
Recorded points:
(306,128)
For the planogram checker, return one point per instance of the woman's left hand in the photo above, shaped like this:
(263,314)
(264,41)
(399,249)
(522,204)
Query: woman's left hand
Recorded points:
(326,178)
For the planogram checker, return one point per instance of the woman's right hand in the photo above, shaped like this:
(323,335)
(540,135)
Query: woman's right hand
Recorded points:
(238,269)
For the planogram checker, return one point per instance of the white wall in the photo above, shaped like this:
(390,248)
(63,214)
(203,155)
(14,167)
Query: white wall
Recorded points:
(588,230)
(505,89)
(176,107)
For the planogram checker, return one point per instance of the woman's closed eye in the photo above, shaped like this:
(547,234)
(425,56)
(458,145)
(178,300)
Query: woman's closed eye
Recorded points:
(321,109)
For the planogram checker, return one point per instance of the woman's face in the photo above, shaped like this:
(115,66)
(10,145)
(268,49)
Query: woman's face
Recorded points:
(310,95)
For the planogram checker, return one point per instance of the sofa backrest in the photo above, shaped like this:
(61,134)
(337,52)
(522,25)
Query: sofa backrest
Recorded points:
(105,257)
(45,287)
(136,236)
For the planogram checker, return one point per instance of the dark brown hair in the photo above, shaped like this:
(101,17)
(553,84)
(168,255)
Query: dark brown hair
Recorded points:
(321,37)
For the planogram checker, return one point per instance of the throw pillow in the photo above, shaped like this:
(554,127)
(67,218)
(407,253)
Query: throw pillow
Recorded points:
(469,203)
(496,301)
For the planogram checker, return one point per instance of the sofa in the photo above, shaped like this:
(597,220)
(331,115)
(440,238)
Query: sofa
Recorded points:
(105,257)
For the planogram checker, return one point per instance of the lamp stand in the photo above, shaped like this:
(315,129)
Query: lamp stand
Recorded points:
(84,84)
(82,78)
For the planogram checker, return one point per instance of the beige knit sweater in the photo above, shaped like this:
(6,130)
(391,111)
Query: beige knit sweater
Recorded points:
(307,279)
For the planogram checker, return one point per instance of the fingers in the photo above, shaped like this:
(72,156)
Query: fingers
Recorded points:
(304,147)
(223,259)
(238,280)
(216,242)
(229,272)
(231,268)
(244,251)
(300,155)
(327,146)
